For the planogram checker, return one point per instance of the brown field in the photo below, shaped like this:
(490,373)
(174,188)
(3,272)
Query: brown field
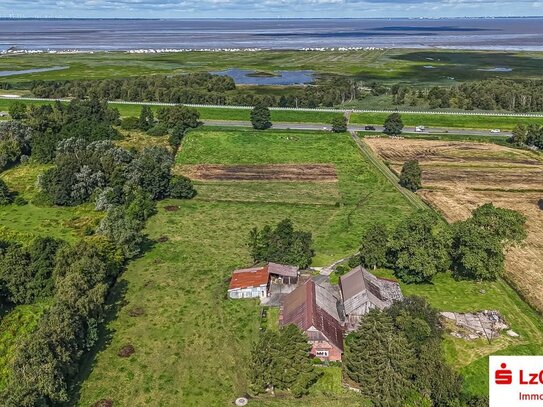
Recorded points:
(276,172)
(459,176)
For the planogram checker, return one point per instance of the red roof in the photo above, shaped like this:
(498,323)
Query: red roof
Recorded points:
(253,277)
(300,308)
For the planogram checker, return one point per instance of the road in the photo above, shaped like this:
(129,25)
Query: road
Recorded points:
(312,126)
(351,128)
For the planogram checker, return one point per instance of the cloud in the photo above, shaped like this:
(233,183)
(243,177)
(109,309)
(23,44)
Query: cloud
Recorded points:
(268,8)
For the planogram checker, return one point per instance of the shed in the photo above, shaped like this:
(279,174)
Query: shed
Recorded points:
(249,283)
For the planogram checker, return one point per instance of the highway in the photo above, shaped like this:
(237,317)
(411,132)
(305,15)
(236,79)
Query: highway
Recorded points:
(351,128)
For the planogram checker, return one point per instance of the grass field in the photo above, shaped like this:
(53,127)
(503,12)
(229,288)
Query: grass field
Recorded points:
(392,65)
(448,120)
(193,345)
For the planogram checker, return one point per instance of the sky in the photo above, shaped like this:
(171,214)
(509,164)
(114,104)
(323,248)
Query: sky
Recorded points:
(268,8)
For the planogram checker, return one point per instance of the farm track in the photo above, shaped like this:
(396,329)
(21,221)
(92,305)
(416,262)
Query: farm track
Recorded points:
(389,175)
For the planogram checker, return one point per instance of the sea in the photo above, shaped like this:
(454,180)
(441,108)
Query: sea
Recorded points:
(130,35)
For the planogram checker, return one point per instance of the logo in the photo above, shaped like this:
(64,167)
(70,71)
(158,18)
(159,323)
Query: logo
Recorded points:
(503,376)
(516,381)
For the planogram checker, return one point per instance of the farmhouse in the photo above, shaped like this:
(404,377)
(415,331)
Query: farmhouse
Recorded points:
(249,283)
(361,291)
(256,282)
(315,311)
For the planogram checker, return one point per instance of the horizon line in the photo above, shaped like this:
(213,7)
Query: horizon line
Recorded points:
(272,18)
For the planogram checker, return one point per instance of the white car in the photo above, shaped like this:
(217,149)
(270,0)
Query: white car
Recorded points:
(420,129)
(495,131)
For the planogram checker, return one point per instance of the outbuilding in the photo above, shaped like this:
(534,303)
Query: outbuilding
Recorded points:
(249,283)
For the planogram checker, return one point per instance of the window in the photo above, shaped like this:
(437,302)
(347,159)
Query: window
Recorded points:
(322,353)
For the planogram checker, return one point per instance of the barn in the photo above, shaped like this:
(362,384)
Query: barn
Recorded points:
(315,311)
(361,291)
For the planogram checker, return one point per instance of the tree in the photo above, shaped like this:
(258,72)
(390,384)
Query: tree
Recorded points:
(122,230)
(280,360)
(261,117)
(419,248)
(6,197)
(151,171)
(182,188)
(379,359)
(176,136)
(281,244)
(147,119)
(339,124)
(179,116)
(479,242)
(393,124)
(520,134)
(411,175)
(373,249)
(15,140)
(17,110)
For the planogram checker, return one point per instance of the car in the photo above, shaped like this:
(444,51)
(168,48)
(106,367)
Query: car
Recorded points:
(495,131)
(369,128)
(420,129)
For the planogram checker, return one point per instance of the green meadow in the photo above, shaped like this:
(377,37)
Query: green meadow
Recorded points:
(192,345)
(390,65)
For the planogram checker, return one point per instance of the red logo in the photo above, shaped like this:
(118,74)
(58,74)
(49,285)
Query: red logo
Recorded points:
(503,376)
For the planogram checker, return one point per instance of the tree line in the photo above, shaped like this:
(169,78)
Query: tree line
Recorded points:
(75,279)
(489,94)
(197,88)
(422,245)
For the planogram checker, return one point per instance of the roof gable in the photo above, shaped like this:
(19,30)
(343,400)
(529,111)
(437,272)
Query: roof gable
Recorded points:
(359,286)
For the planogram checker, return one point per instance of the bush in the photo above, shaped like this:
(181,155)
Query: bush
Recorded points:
(159,130)
(20,201)
(181,188)
(126,351)
(5,195)
(130,123)
(339,124)
(411,176)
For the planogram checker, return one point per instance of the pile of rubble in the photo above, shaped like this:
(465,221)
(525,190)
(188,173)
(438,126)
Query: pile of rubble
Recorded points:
(482,324)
